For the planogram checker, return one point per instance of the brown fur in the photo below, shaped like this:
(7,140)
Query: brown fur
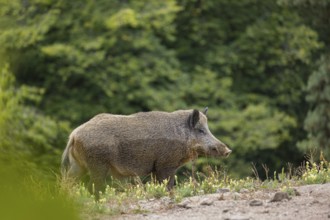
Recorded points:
(137,145)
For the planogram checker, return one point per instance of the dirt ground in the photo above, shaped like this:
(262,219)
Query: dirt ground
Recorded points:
(311,202)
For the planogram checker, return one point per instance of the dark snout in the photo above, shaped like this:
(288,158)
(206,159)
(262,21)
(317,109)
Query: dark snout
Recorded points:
(219,150)
(216,148)
(225,151)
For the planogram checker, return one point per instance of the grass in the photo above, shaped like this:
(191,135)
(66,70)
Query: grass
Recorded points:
(126,197)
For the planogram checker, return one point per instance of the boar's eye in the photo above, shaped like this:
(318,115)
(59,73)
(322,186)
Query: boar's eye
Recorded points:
(201,131)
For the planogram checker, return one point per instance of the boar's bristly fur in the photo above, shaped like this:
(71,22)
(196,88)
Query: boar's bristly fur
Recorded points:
(137,145)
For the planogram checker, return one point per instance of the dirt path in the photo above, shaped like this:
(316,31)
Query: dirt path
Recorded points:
(312,203)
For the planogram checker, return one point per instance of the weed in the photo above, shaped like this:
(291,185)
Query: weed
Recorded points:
(185,189)
(124,197)
(290,191)
(154,190)
(316,173)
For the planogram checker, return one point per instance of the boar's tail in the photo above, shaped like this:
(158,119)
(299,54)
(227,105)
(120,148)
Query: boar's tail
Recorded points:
(65,163)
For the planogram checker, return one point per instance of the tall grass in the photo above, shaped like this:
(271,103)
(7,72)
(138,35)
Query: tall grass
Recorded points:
(26,193)
(125,197)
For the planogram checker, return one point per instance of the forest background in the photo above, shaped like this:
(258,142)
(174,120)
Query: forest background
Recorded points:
(261,66)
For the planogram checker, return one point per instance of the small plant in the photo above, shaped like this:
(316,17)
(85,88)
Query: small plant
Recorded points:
(185,189)
(290,191)
(154,190)
(124,197)
(266,169)
(316,173)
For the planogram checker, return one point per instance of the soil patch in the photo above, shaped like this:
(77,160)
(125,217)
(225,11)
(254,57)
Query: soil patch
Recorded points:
(308,202)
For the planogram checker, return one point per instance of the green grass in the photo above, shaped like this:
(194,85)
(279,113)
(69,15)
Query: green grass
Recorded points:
(125,197)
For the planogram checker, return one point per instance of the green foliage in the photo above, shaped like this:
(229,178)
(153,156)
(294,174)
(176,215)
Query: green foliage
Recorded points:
(26,193)
(275,66)
(114,61)
(247,60)
(9,105)
(249,64)
(316,14)
(26,150)
(317,120)
(255,127)
(31,208)
(24,132)
(205,29)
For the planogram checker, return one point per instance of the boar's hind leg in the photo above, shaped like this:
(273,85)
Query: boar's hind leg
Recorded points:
(166,173)
(97,180)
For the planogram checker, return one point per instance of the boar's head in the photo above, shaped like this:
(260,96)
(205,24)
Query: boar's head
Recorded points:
(203,140)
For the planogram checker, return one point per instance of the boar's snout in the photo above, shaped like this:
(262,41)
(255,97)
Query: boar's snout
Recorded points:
(218,149)
(227,152)
(223,150)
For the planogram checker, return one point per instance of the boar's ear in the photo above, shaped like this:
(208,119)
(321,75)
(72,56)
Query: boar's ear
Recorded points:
(205,110)
(193,118)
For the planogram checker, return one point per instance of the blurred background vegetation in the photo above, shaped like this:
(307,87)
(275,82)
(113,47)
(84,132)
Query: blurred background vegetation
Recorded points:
(261,66)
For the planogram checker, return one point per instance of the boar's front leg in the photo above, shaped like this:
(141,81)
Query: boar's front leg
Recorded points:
(97,180)
(166,173)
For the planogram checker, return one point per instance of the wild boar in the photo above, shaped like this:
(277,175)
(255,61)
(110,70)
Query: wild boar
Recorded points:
(155,142)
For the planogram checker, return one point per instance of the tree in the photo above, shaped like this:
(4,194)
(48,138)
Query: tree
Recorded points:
(316,15)
(260,55)
(101,57)
(247,60)
(27,138)
(318,118)
(24,165)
